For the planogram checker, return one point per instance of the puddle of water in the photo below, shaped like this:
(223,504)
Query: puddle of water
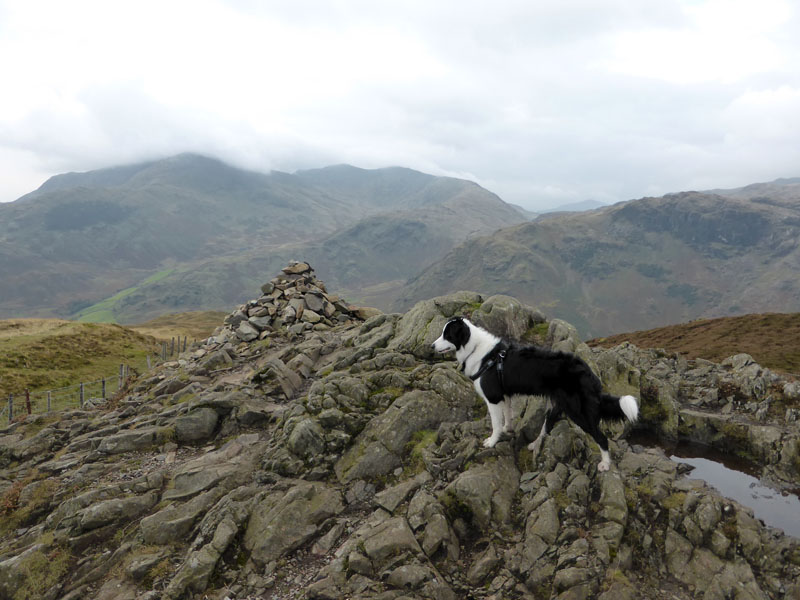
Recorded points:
(734,478)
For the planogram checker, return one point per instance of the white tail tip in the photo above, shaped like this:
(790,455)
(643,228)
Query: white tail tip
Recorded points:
(629,407)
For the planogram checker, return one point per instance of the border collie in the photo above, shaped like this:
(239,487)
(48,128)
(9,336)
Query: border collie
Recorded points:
(500,369)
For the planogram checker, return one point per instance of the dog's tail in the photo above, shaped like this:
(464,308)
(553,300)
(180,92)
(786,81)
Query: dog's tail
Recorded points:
(615,408)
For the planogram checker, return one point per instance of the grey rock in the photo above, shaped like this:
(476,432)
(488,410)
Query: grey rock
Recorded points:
(260,322)
(309,316)
(390,498)
(235,318)
(232,462)
(506,317)
(117,510)
(196,426)
(284,521)
(409,577)
(168,386)
(307,439)
(390,539)
(176,521)
(612,498)
(218,359)
(482,566)
(134,440)
(485,491)
(439,535)
(198,568)
(420,326)
(314,302)
(544,522)
(246,331)
(379,448)
(140,565)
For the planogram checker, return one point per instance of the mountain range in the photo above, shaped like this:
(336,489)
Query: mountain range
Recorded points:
(642,263)
(190,232)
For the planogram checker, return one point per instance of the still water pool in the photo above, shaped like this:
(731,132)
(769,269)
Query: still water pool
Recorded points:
(734,478)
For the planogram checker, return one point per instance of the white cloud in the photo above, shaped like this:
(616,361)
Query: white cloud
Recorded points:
(542,102)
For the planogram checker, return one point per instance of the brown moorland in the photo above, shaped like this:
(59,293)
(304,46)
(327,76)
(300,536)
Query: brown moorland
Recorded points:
(772,339)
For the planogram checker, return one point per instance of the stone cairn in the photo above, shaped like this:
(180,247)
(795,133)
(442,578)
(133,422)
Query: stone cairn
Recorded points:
(294,301)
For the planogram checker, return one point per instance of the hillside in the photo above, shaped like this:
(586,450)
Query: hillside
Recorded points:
(41,354)
(773,340)
(640,264)
(196,325)
(191,233)
(304,453)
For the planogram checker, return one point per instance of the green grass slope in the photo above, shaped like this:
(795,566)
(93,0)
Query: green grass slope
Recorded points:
(41,354)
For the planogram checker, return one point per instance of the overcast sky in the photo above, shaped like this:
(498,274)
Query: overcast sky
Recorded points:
(544,102)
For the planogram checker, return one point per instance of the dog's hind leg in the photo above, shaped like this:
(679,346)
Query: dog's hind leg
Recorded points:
(593,430)
(536,444)
(549,422)
(602,441)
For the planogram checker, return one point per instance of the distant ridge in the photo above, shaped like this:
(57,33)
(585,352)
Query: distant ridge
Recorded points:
(576,206)
(639,264)
(190,232)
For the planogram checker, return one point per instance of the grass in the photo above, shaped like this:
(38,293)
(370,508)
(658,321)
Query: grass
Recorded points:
(416,446)
(42,570)
(196,325)
(42,354)
(772,339)
(103,311)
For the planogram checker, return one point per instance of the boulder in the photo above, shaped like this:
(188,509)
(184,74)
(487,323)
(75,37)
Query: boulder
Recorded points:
(284,521)
(484,493)
(196,426)
(117,510)
(420,326)
(507,317)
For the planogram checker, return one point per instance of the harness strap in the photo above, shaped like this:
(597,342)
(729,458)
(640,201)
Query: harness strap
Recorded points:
(496,361)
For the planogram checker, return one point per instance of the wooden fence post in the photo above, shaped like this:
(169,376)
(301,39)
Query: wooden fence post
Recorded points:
(49,399)
(184,343)
(10,407)
(28,400)
(104,388)
(164,351)
(172,347)
(149,366)
(119,381)
(81,395)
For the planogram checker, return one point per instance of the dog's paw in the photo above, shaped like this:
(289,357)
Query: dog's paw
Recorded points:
(534,446)
(603,466)
(489,442)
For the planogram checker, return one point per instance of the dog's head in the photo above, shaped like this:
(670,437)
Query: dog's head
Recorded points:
(455,335)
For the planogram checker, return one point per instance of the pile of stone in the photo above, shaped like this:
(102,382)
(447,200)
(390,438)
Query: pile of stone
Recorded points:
(295,301)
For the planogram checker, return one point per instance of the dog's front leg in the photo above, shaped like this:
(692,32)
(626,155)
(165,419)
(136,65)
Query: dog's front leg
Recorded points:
(496,415)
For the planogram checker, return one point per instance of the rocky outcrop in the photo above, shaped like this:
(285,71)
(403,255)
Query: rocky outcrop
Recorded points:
(337,458)
(736,406)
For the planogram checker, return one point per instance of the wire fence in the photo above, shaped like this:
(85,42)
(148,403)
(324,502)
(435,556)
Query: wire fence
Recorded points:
(86,394)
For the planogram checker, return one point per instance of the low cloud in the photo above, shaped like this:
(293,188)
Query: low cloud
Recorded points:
(543,103)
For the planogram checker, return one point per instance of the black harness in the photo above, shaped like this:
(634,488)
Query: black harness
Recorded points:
(494,361)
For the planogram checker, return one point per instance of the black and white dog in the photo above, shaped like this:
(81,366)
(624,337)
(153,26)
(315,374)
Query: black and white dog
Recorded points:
(501,369)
